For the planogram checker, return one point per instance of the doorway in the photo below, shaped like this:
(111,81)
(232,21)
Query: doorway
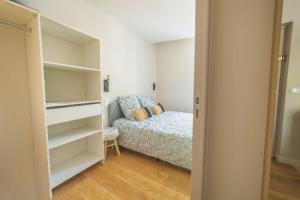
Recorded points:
(283,64)
(282,174)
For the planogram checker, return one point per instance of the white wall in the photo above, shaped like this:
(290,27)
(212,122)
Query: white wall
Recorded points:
(288,148)
(129,59)
(175,74)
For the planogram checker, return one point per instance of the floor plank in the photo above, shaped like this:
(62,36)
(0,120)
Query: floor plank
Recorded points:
(284,182)
(131,176)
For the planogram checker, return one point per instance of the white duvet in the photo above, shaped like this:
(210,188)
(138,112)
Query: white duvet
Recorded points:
(167,137)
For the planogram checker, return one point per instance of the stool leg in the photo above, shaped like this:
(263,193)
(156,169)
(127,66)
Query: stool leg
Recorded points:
(117,147)
(105,149)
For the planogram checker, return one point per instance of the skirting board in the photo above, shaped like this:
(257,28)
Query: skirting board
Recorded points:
(293,162)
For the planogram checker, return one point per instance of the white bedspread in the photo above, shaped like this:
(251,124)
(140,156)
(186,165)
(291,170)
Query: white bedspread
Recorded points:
(167,136)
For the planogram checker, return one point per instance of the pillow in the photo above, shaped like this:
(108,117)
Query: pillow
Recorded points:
(147,102)
(158,109)
(141,114)
(128,104)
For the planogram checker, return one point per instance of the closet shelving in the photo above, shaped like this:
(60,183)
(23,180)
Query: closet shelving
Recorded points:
(53,65)
(65,170)
(65,137)
(23,135)
(52,105)
(72,77)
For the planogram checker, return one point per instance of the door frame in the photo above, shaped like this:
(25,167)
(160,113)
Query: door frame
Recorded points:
(282,76)
(202,41)
(272,99)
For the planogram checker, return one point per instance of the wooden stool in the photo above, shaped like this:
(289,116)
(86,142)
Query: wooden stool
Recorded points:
(110,139)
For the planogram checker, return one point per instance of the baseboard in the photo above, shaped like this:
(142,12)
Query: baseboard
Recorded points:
(293,162)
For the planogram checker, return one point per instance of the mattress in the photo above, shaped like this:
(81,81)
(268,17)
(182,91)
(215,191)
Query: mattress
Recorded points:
(167,137)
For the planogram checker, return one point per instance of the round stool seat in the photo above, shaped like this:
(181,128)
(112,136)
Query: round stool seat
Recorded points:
(110,133)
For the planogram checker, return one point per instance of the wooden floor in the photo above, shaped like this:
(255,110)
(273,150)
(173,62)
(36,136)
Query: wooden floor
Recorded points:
(130,176)
(284,183)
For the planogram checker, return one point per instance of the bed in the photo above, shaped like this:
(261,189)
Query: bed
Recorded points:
(167,136)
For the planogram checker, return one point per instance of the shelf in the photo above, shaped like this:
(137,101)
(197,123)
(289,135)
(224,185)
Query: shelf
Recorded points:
(66,67)
(53,105)
(69,168)
(58,139)
(63,31)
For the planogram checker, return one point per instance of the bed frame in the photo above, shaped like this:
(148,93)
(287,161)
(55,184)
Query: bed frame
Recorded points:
(114,112)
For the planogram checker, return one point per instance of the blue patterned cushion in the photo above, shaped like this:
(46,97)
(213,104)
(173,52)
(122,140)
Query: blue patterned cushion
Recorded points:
(147,102)
(128,105)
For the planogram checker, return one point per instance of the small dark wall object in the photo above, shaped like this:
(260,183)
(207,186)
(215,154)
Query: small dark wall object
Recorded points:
(153,86)
(106,83)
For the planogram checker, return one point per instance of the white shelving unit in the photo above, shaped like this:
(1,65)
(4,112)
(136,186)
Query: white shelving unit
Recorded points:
(72,77)
(69,168)
(24,154)
(65,137)
(69,103)
(52,105)
(52,65)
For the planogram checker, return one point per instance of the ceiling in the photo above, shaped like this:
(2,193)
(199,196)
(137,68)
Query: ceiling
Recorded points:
(154,20)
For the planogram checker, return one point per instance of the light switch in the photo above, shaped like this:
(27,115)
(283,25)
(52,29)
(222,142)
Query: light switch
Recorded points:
(295,91)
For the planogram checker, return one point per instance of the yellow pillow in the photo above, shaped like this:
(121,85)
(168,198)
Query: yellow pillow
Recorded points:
(156,109)
(140,114)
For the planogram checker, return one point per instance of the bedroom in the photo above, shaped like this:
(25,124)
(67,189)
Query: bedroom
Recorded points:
(234,84)
(142,58)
